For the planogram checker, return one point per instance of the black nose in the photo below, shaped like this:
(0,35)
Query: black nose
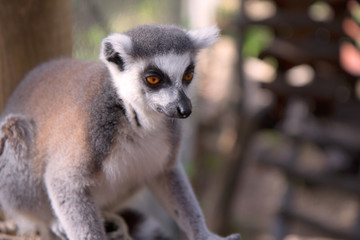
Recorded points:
(183,113)
(184,108)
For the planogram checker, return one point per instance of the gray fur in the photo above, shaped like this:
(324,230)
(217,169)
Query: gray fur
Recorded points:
(106,113)
(75,205)
(78,138)
(151,40)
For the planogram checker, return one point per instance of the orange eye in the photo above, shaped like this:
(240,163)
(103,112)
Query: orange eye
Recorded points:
(189,76)
(153,80)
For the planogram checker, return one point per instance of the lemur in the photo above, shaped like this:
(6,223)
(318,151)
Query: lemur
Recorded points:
(80,137)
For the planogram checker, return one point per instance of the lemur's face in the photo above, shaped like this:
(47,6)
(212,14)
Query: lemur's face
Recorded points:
(164,83)
(152,66)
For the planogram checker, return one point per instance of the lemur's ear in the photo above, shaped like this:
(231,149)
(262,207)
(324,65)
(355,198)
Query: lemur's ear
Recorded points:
(115,49)
(204,37)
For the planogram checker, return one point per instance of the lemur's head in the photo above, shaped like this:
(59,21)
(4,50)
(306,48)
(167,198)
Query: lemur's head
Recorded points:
(153,65)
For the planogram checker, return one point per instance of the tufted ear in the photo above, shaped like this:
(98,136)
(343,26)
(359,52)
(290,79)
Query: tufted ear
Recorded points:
(115,49)
(204,37)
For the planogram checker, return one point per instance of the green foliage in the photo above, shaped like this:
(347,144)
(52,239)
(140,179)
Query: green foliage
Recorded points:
(256,39)
(87,43)
(147,9)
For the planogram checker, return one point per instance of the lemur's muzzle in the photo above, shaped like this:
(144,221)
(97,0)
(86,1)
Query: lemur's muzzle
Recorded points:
(180,108)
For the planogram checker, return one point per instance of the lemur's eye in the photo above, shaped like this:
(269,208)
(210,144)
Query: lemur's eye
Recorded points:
(153,80)
(189,76)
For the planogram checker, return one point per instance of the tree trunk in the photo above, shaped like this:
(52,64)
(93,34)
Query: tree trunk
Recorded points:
(32,31)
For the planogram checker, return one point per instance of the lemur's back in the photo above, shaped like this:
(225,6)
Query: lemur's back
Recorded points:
(54,85)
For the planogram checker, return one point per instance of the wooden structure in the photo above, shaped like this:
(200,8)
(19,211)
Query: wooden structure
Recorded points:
(31,32)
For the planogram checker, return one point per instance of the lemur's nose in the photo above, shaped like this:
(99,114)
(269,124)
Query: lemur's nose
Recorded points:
(184,113)
(184,108)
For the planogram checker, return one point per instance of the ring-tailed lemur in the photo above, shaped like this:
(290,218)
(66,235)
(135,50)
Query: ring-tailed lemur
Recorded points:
(79,137)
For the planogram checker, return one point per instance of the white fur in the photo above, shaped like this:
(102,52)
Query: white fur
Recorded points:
(174,66)
(131,163)
(204,37)
(128,84)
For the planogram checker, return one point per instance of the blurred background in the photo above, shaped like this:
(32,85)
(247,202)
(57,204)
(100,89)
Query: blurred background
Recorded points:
(273,146)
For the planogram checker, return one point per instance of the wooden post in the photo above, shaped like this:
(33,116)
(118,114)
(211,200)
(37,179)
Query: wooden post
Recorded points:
(31,32)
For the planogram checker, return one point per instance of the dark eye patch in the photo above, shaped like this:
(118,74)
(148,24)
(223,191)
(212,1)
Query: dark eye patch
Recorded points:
(152,70)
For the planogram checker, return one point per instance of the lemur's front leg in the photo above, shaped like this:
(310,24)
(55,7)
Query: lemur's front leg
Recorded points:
(173,189)
(74,207)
